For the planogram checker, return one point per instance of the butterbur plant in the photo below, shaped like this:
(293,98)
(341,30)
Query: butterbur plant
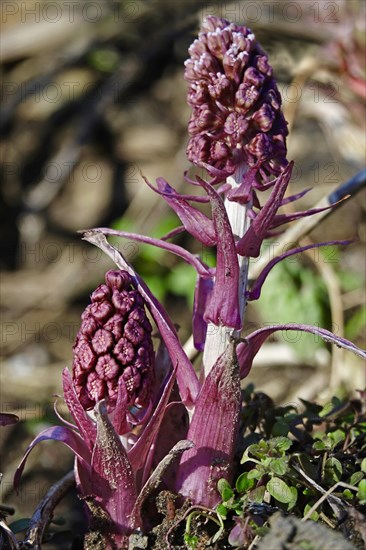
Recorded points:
(120,390)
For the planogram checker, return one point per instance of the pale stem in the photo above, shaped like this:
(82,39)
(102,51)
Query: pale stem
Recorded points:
(218,336)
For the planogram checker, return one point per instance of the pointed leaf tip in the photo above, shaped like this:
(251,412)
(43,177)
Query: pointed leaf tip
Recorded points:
(6,419)
(57,433)
(250,244)
(82,420)
(249,348)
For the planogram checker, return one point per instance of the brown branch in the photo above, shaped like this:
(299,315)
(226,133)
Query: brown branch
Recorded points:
(44,512)
(157,475)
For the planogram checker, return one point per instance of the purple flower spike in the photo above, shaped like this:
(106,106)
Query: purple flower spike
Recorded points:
(115,334)
(236,115)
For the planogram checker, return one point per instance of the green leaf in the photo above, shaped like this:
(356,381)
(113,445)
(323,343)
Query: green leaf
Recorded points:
(225,489)
(280,428)
(191,540)
(314,516)
(333,470)
(281,443)
(336,437)
(363,466)
(336,402)
(279,490)
(355,478)
(255,474)
(309,468)
(244,483)
(248,459)
(222,510)
(259,450)
(278,466)
(292,503)
(319,446)
(265,462)
(361,493)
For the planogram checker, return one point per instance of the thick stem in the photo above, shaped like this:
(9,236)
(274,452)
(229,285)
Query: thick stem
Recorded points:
(218,336)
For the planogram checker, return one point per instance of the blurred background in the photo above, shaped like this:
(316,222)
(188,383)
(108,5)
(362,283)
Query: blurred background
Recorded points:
(92,96)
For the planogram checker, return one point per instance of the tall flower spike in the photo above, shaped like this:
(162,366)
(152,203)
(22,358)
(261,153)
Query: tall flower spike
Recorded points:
(238,134)
(113,346)
(237,115)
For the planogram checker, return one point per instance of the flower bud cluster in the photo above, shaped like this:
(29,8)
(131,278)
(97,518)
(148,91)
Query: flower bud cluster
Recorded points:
(236,105)
(114,343)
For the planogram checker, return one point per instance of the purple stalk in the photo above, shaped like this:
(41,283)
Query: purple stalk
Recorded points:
(250,244)
(194,221)
(237,133)
(113,480)
(218,335)
(223,305)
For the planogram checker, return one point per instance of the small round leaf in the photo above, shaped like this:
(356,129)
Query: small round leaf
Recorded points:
(279,490)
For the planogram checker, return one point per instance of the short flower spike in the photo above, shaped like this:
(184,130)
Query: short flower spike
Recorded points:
(114,343)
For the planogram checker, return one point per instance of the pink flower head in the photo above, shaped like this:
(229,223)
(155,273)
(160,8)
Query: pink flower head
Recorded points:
(236,114)
(113,344)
